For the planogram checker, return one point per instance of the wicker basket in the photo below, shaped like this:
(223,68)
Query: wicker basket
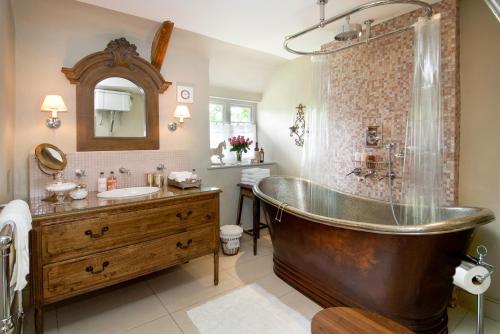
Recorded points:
(185,184)
(230,239)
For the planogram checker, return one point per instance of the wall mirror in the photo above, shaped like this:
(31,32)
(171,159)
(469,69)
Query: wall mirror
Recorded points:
(119,109)
(117,95)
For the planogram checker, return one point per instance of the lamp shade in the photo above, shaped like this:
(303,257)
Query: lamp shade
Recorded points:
(182,112)
(53,103)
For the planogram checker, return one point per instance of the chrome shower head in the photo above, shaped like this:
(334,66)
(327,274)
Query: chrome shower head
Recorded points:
(349,31)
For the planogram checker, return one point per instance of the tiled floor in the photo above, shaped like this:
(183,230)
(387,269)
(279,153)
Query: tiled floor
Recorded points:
(159,303)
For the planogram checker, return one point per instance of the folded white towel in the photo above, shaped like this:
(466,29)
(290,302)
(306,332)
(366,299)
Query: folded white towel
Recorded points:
(18,212)
(253,180)
(245,180)
(254,171)
(180,176)
(255,176)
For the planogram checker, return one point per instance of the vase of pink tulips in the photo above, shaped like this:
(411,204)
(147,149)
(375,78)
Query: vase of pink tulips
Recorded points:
(240,144)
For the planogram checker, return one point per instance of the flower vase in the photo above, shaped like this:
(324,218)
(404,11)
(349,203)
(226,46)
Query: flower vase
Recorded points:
(238,156)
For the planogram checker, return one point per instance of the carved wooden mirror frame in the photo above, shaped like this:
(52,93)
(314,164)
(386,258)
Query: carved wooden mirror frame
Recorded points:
(119,59)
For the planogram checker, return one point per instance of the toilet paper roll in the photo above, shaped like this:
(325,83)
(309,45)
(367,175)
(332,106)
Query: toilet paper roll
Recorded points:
(465,275)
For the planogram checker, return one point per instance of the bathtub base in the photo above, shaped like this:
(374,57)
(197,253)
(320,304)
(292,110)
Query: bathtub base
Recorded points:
(328,297)
(341,249)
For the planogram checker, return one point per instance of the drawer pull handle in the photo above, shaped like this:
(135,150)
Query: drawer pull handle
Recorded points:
(208,216)
(181,246)
(92,270)
(179,215)
(97,235)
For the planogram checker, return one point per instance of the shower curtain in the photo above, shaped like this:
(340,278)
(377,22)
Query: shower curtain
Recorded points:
(316,155)
(423,163)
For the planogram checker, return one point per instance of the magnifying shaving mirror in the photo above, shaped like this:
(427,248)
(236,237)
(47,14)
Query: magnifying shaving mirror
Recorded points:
(51,160)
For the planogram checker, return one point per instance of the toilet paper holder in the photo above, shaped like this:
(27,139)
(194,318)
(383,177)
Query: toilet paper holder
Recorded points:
(481,251)
(479,260)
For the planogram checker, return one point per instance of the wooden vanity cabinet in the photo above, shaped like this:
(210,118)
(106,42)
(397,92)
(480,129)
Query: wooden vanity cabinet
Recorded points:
(77,252)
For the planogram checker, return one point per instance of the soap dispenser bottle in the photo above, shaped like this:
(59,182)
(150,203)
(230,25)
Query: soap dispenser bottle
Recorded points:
(112,182)
(102,183)
(261,155)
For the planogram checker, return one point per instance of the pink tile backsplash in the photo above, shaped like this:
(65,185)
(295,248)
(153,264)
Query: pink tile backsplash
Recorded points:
(371,85)
(138,162)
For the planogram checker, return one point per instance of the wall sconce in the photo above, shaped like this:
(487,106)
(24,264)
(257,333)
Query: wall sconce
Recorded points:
(54,104)
(181,112)
(299,127)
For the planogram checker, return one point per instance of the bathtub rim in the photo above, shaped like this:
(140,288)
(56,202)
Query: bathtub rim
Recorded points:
(482,217)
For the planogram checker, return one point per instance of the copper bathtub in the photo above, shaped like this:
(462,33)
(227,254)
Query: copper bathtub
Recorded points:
(344,250)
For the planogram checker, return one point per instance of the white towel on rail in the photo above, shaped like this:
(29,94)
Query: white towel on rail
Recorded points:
(18,212)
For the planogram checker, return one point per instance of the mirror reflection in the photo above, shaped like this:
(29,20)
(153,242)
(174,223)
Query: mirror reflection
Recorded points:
(52,154)
(119,109)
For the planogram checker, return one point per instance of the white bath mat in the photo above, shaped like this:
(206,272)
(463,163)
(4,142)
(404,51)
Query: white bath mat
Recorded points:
(248,310)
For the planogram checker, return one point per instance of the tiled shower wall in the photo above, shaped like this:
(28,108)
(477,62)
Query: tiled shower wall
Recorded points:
(138,162)
(371,85)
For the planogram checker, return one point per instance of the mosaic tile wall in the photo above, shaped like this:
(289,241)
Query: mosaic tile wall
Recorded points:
(371,85)
(138,162)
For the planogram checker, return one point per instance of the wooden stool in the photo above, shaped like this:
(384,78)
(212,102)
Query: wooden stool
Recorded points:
(246,191)
(345,320)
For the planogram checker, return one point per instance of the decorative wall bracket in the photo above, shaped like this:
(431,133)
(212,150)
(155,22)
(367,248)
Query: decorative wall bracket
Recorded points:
(299,127)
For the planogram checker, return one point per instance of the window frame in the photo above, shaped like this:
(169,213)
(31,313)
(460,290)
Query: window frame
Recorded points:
(228,103)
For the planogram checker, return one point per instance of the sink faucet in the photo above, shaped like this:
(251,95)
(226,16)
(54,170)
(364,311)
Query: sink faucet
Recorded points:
(356,171)
(124,170)
(80,172)
(370,173)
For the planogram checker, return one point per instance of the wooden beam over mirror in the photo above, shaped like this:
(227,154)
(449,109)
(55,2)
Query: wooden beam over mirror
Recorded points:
(160,44)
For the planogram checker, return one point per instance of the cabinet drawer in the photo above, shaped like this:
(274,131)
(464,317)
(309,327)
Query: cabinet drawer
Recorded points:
(92,272)
(109,230)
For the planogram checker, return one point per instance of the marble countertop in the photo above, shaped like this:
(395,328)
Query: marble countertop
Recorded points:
(40,208)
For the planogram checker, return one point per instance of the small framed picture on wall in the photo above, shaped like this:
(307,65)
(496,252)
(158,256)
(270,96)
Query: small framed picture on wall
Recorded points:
(185,94)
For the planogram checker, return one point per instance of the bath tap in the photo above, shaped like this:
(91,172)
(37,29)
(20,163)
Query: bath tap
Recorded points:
(392,175)
(356,171)
(124,170)
(370,173)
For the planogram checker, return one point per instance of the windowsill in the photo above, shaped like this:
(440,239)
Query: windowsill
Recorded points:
(243,164)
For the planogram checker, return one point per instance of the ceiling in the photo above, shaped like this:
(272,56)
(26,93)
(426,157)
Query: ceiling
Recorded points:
(255,24)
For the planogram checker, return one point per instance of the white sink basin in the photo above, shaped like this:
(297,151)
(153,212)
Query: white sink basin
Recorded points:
(128,192)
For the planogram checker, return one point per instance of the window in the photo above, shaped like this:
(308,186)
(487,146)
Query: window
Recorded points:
(232,118)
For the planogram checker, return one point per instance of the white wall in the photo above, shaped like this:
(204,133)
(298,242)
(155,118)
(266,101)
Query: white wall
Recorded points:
(289,86)
(480,120)
(7,100)
(51,34)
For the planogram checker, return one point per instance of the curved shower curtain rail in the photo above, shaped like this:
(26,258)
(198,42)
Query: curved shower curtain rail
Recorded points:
(427,8)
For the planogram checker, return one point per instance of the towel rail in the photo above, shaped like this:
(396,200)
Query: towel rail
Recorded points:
(7,322)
